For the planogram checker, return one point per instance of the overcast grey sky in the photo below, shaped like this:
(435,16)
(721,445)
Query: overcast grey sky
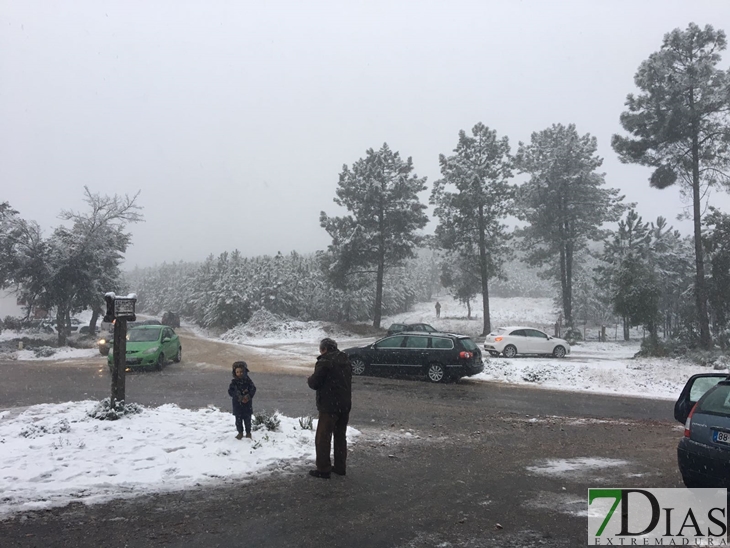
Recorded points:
(234,118)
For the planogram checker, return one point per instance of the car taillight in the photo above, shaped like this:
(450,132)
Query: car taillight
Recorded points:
(688,423)
(497,339)
(465,355)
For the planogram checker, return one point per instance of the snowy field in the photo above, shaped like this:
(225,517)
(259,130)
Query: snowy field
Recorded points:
(54,454)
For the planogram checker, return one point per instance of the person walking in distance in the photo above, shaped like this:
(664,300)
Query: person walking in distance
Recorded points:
(332,379)
(438,309)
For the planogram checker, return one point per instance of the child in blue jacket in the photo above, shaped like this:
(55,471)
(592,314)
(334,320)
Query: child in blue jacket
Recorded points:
(241,391)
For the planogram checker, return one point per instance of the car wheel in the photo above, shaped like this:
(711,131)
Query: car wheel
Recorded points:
(178,357)
(494,353)
(358,366)
(510,351)
(436,372)
(160,362)
(559,352)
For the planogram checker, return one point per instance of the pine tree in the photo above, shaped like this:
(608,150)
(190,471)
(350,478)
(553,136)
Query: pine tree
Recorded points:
(680,126)
(565,203)
(381,193)
(473,198)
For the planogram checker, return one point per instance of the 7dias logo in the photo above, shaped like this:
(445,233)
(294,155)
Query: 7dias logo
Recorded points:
(657,517)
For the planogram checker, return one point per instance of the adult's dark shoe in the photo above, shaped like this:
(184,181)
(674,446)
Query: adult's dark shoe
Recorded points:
(239,436)
(318,474)
(339,472)
(248,435)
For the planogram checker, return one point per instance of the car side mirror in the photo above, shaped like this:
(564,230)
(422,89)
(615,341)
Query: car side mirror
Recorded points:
(696,387)
(166,339)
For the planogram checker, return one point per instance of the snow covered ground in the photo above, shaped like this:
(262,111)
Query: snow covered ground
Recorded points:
(54,454)
(605,368)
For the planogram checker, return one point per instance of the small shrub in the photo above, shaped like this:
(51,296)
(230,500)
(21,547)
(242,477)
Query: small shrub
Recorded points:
(306,422)
(263,419)
(535,375)
(44,351)
(573,336)
(104,411)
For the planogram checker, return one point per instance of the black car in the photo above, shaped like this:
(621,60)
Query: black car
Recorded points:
(400,327)
(440,356)
(703,454)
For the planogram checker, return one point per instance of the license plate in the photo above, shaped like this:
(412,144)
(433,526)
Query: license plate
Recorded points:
(721,437)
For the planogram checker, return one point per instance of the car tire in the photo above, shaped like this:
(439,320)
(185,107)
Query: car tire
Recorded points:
(358,366)
(178,356)
(436,372)
(510,351)
(559,352)
(160,362)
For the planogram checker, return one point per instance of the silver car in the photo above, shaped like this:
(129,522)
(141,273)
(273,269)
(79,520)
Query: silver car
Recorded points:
(703,453)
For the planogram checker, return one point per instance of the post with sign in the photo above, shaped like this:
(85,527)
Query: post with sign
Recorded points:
(119,310)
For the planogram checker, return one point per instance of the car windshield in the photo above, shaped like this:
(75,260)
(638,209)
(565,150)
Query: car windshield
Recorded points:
(717,402)
(143,335)
(468,343)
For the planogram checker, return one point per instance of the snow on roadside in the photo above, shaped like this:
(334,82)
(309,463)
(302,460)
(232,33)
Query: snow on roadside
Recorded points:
(65,353)
(54,454)
(606,368)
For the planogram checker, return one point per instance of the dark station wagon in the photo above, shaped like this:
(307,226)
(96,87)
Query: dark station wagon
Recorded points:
(439,356)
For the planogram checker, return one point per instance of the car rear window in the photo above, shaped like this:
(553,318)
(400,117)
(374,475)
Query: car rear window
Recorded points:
(702,385)
(417,342)
(717,402)
(468,343)
(499,331)
(440,342)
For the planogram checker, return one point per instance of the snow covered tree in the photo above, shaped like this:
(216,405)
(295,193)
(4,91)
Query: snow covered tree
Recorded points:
(637,293)
(717,247)
(680,126)
(461,276)
(473,198)
(381,193)
(73,268)
(565,203)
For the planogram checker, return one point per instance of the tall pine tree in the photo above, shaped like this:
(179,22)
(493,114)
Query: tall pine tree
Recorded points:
(381,193)
(680,126)
(472,199)
(565,202)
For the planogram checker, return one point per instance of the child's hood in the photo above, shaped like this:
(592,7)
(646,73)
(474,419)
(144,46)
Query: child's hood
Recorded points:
(242,365)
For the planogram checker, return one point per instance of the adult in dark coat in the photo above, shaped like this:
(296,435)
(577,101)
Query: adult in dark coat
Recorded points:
(332,379)
(242,390)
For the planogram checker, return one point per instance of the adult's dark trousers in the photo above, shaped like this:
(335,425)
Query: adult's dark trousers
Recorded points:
(331,425)
(241,419)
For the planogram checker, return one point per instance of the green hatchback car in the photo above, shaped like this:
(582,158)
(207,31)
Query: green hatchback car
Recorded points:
(150,345)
